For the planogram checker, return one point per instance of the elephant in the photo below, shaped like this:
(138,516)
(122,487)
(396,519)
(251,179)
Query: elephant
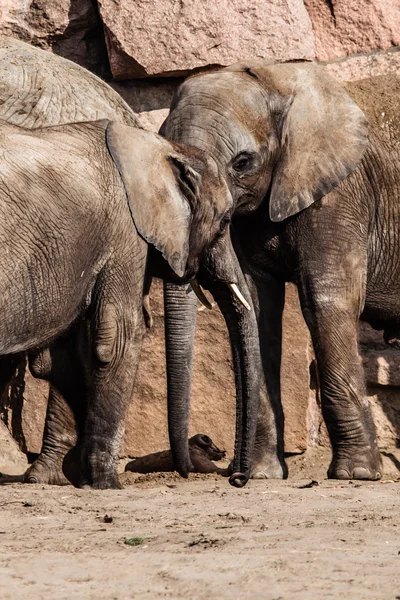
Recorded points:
(80,204)
(38,88)
(314,171)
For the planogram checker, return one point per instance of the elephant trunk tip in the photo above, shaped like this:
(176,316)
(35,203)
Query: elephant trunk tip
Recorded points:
(238,479)
(183,468)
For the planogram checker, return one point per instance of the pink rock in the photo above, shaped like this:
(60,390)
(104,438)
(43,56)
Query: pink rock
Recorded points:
(367,65)
(382,367)
(385,406)
(175,36)
(297,354)
(12,460)
(33,414)
(344,27)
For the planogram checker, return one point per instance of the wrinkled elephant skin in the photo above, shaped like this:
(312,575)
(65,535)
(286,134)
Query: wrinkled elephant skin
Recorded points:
(316,194)
(38,89)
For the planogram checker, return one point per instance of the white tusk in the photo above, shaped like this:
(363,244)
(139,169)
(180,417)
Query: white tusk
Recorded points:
(200,294)
(239,295)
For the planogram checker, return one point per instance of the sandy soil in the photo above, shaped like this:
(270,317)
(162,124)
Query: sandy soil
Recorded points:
(202,539)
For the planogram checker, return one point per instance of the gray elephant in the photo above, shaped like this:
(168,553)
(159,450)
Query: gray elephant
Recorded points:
(38,88)
(316,191)
(78,204)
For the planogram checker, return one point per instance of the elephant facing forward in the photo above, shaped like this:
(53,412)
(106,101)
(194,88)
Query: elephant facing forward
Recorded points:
(316,190)
(78,204)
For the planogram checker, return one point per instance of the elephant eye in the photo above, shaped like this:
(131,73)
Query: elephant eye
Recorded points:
(226,219)
(243,162)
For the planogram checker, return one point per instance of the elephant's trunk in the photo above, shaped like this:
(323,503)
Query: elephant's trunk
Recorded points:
(180,317)
(242,327)
(180,305)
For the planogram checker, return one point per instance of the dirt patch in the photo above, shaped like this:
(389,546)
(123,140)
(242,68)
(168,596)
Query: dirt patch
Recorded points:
(202,539)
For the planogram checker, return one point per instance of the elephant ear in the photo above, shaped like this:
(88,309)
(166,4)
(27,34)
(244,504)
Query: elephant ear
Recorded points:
(158,181)
(324,135)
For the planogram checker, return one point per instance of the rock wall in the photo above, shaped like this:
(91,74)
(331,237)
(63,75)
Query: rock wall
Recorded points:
(144,49)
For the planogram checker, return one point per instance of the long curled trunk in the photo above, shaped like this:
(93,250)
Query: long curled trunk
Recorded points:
(243,334)
(180,316)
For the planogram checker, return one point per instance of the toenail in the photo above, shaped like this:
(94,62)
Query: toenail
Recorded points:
(259,475)
(342,474)
(361,473)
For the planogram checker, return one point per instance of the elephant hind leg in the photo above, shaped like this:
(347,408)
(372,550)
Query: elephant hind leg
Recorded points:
(59,365)
(58,438)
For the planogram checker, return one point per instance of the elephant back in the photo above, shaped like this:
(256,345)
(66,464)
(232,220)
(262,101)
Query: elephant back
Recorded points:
(38,89)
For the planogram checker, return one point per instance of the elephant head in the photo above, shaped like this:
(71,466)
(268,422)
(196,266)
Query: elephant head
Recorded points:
(282,134)
(179,202)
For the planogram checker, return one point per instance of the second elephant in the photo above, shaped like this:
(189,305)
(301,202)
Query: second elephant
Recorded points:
(79,202)
(38,89)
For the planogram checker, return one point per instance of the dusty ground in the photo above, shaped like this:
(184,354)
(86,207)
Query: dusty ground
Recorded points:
(203,539)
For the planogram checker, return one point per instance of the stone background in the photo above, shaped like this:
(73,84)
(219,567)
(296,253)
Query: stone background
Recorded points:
(144,48)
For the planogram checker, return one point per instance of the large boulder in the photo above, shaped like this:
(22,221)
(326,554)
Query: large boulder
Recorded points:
(175,36)
(358,39)
(342,28)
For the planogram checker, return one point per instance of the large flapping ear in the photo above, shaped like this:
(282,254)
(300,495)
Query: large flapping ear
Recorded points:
(324,134)
(158,181)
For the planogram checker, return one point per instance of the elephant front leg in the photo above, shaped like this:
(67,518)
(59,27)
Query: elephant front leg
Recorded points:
(345,405)
(116,340)
(268,296)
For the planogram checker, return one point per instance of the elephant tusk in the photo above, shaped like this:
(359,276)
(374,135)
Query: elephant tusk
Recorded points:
(196,287)
(239,295)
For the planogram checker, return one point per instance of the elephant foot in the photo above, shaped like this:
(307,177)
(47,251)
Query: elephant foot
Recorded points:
(80,477)
(268,466)
(45,470)
(361,465)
